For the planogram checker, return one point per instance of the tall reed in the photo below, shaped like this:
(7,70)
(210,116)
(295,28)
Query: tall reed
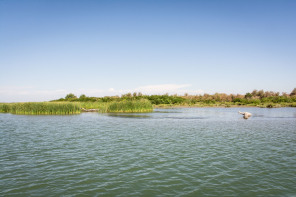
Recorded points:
(129,106)
(92,105)
(44,108)
(4,107)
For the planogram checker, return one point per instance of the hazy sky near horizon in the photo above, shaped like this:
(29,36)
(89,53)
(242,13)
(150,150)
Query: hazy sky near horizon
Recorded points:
(103,48)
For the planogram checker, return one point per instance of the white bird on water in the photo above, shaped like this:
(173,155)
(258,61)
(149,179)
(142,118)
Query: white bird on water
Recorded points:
(246,114)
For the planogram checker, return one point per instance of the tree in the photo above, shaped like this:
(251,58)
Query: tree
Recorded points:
(128,95)
(260,93)
(82,97)
(255,92)
(70,96)
(293,93)
(248,95)
(285,94)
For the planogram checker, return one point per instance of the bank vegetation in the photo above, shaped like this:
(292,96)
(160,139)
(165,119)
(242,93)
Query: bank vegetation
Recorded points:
(137,102)
(256,98)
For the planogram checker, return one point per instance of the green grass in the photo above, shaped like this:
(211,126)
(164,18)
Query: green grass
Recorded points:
(128,106)
(65,108)
(101,106)
(41,108)
(292,105)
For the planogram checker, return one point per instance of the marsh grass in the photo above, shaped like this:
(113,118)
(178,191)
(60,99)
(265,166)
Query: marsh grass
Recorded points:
(42,108)
(273,105)
(101,106)
(4,107)
(128,106)
(292,105)
(67,108)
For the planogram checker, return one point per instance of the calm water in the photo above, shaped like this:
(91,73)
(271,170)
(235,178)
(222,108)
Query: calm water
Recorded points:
(171,152)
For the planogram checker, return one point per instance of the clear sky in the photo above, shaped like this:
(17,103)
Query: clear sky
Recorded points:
(109,47)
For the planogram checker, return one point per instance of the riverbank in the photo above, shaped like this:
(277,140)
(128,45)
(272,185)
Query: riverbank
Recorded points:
(223,105)
(260,98)
(125,106)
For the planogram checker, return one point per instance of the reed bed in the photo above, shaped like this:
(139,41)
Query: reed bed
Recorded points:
(4,107)
(42,108)
(129,106)
(93,105)
(67,108)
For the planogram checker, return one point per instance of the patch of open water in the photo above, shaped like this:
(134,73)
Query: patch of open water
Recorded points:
(172,152)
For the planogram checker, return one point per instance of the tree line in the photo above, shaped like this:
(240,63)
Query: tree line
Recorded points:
(256,97)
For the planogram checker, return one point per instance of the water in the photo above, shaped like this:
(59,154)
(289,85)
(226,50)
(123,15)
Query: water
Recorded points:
(171,152)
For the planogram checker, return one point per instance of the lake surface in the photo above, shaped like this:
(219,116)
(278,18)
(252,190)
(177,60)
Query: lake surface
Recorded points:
(170,152)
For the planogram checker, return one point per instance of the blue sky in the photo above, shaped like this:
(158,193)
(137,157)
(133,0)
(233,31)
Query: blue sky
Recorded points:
(103,48)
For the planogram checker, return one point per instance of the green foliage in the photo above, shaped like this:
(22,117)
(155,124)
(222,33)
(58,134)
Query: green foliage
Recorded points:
(44,108)
(255,98)
(82,97)
(248,95)
(209,101)
(107,99)
(239,100)
(4,108)
(70,96)
(129,106)
(92,105)
(165,99)
(280,99)
(137,102)
(255,101)
(292,105)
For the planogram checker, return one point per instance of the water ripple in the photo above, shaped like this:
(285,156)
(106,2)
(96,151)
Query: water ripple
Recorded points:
(185,153)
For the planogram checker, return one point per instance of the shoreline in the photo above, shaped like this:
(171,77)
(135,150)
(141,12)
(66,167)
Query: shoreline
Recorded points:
(214,106)
(180,107)
(142,106)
